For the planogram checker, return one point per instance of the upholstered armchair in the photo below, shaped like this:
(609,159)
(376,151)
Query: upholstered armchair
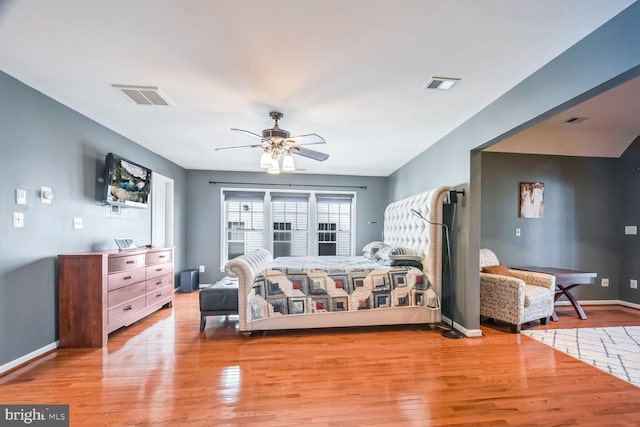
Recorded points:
(514,296)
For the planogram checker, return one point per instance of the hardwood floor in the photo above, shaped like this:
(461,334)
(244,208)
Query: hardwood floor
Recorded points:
(163,372)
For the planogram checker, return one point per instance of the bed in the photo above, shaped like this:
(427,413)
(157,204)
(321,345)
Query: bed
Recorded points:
(395,282)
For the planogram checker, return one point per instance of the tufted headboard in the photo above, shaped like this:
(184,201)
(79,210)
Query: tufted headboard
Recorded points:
(402,228)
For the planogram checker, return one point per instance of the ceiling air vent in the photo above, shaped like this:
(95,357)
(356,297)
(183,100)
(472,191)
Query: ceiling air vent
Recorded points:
(576,119)
(143,95)
(441,83)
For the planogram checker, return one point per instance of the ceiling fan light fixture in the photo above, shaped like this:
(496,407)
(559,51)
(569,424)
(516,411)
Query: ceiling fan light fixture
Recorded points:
(274,169)
(265,160)
(276,143)
(287,163)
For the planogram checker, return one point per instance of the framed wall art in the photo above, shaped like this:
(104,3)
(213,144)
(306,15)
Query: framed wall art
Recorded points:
(531,200)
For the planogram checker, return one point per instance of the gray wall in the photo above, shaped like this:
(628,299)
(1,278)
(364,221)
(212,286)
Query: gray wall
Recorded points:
(579,229)
(45,143)
(629,203)
(203,214)
(603,59)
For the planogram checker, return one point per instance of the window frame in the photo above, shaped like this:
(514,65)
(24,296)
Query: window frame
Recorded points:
(337,200)
(291,213)
(268,228)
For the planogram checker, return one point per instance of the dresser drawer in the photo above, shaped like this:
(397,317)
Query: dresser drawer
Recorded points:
(125,278)
(126,309)
(125,294)
(158,257)
(159,270)
(159,282)
(159,295)
(127,262)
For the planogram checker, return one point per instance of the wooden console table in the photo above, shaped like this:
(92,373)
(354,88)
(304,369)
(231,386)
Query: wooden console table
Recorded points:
(565,281)
(99,292)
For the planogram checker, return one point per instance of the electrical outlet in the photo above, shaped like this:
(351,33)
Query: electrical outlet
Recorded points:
(18,219)
(517,232)
(605,282)
(634,284)
(202,269)
(77,223)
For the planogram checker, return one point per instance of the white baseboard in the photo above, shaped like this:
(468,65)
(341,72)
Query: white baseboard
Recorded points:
(28,357)
(470,333)
(478,333)
(629,304)
(602,302)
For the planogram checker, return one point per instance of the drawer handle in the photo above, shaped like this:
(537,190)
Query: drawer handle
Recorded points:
(159,282)
(162,256)
(132,261)
(127,278)
(158,269)
(158,296)
(127,308)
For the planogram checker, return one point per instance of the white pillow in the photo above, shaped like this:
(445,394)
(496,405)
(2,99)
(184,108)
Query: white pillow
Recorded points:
(371,250)
(398,253)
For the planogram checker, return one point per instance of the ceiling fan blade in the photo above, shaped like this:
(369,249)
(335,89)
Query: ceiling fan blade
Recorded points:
(238,146)
(246,132)
(312,154)
(307,139)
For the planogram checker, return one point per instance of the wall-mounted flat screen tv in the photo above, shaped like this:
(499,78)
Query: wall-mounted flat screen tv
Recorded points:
(126,183)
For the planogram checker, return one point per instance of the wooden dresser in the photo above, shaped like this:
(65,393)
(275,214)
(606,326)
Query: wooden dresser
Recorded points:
(99,292)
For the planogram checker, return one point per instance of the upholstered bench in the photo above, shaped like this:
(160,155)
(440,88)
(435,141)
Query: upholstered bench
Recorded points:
(219,299)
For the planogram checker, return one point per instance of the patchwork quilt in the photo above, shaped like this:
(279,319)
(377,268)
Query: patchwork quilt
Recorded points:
(302,285)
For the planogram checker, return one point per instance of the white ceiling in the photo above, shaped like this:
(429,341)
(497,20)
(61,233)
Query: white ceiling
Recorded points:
(612,124)
(350,70)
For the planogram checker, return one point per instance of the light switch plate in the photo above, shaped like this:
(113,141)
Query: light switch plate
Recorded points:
(517,232)
(633,283)
(21,197)
(630,229)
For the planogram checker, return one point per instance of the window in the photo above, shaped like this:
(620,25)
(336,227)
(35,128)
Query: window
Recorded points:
(290,218)
(334,219)
(244,223)
(287,223)
(327,238)
(235,239)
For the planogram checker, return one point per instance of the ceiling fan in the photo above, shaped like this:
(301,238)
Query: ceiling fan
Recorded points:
(276,144)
